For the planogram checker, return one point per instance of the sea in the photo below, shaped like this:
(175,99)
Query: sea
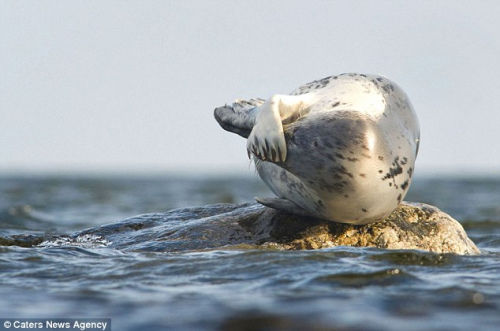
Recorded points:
(235,288)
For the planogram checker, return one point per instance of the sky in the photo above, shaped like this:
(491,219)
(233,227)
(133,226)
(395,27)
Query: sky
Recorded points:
(122,86)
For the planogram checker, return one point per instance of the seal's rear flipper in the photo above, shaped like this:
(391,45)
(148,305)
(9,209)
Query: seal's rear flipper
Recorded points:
(238,117)
(283,205)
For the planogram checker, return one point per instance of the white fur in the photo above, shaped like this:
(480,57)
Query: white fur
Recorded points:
(268,126)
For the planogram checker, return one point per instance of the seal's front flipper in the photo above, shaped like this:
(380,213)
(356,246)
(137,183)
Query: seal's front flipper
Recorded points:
(283,205)
(267,140)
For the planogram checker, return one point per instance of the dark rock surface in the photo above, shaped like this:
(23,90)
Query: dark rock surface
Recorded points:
(410,226)
(250,225)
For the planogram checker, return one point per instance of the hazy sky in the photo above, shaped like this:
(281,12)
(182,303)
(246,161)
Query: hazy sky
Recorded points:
(119,85)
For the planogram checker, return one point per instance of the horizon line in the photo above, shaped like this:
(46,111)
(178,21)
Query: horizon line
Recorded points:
(211,171)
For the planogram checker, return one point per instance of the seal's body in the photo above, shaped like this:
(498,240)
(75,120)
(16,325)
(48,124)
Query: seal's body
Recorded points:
(341,148)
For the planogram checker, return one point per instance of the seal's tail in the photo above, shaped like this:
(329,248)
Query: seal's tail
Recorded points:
(239,117)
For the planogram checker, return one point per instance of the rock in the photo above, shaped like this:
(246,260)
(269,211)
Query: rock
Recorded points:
(410,226)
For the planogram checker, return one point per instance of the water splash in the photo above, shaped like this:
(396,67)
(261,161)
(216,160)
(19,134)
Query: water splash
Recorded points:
(83,241)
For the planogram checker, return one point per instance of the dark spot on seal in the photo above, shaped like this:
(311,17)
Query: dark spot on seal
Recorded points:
(380,157)
(352,159)
(410,172)
(364,210)
(395,170)
(362,175)
(346,195)
(399,198)
(380,171)
(315,143)
(340,156)
(342,170)
(404,185)
(335,104)
(313,85)
(362,75)
(390,184)
(404,160)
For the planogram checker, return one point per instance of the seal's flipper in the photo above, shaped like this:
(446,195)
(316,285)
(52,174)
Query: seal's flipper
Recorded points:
(267,140)
(239,117)
(283,205)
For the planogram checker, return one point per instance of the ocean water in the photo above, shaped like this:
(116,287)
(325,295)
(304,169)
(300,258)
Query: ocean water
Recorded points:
(236,288)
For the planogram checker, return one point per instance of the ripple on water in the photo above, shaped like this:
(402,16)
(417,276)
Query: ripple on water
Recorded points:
(134,280)
(414,258)
(384,277)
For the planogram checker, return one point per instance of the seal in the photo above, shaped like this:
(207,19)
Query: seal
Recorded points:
(341,148)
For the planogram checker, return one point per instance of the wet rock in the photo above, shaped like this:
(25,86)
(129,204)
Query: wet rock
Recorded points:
(251,225)
(410,226)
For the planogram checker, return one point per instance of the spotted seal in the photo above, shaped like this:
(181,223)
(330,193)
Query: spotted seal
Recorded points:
(341,148)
